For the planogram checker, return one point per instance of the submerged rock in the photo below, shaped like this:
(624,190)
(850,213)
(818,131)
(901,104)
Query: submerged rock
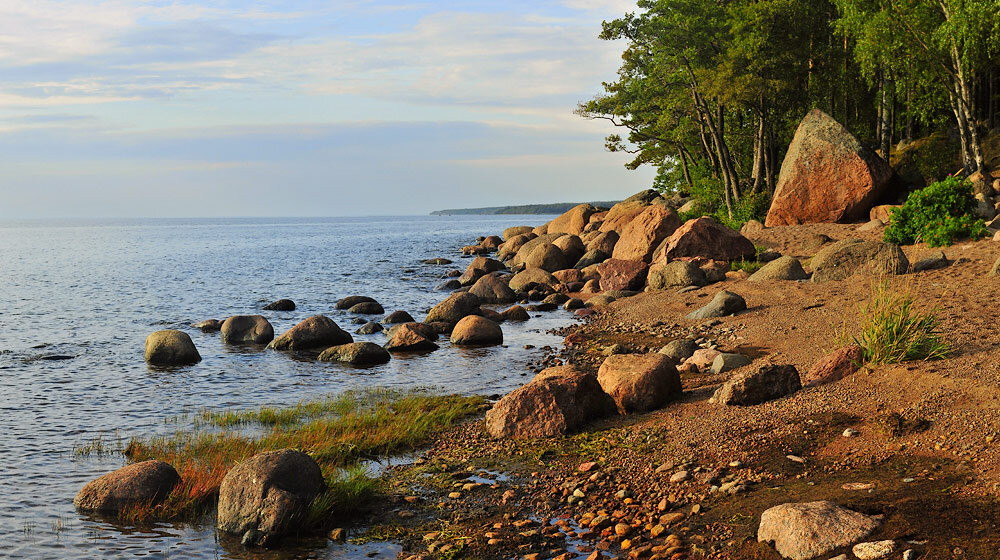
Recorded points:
(171,348)
(281,305)
(357,353)
(371,327)
(208,325)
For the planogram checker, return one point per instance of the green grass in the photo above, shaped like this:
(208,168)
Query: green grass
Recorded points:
(749,266)
(893,330)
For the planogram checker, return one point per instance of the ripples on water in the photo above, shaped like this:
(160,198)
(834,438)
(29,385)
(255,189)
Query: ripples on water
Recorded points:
(77,300)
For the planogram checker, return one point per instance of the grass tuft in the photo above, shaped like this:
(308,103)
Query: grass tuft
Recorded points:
(893,330)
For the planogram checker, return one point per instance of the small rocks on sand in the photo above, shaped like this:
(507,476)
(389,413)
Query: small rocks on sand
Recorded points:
(679,350)
(171,348)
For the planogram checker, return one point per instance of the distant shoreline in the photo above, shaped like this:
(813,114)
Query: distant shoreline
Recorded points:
(525,209)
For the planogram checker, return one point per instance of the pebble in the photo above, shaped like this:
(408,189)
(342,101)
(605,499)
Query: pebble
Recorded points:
(735,464)
(909,480)
(795,458)
(679,476)
(850,432)
(858,486)
(337,535)
(696,509)
(910,554)
(588,466)
(874,550)
(622,529)
(455,495)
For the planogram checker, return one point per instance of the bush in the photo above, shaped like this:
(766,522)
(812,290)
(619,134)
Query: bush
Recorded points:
(937,215)
(893,331)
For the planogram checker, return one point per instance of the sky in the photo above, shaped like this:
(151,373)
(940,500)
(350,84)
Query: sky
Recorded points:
(306,108)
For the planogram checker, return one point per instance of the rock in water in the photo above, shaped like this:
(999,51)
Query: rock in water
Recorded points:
(639,382)
(675,274)
(314,333)
(454,308)
(138,484)
(367,308)
(171,348)
(492,289)
(516,230)
(619,274)
(475,330)
(557,401)
(397,317)
(827,176)
(247,329)
(281,305)
(357,353)
(515,313)
(208,325)
(850,256)
(754,387)
(641,236)
(836,365)
(781,268)
(350,301)
(268,495)
(529,277)
(807,530)
(724,303)
(371,327)
(706,238)
(409,337)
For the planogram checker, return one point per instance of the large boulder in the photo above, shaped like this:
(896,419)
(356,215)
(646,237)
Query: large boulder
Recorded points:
(827,176)
(528,247)
(171,348)
(617,274)
(356,353)
(573,220)
(247,329)
(572,248)
(474,330)
(492,289)
(781,268)
(350,301)
(757,386)
(809,530)
(621,214)
(604,242)
(397,317)
(569,276)
(591,258)
(508,249)
(316,332)
(268,495)
(843,259)
(454,307)
(411,337)
(281,305)
(557,401)
(675,274)
(524,280)
(706,238)
(140,484)
(724,303)
(484,264)
(516,230)
(639,382)
(640,238)
(547,257)
(367,308)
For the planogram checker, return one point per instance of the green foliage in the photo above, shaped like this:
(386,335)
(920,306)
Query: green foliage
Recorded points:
(749,266)
(937,215)
(893,331)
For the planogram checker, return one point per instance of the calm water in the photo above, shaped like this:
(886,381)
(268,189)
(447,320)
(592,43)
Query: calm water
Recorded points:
(92,291)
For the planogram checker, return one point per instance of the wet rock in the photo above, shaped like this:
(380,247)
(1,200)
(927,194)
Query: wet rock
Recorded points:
(316,332)
(448,285)
(208,325)
(835,366)
(409,337)
(357,353)
(367,308)
(644,233)
(846,258)
(454,308)
(350,301)
(171,348)
(802,531)
(827,176)
(933,261)
(757,386)
(782,268)
(675,274)
(724,303)
(557,401)
(679,350)
(138,484)
(247,329)
(268,495)
(371,327)
(617,274)
(639,382)
(529,277)
(515,313)
(397,317)
(573,303)
(281,305)
(492,289)
(704,237)
(478,331)
(438,261)
(725,362)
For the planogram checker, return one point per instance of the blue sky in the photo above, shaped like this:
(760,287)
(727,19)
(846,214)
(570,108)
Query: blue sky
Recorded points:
(352,107)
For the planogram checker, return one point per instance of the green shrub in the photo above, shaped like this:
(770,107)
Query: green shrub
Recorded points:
(893,331)
(937,215)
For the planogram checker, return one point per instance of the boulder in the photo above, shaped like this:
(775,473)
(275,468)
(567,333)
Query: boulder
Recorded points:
(427,330)
(454,307)
(528,247)
(515,313)
(883,212)
(592,286)
(491,314)
(357,353)
(751,227)
(757,386)
(724,303)
(268,495)
(247,329)
(438,261)
(541,230)
(557,401)
(679,350)
(475,250)
(547,257)
(835,366)
(726,361)
(639,382)
(171,348)
(618,274)
(371,327)
(573,220)
(516,230)
(510,247)
(484,264)
(933,261)
(600,300)
(208,325)
(621,214)
(572,248)
(640,238)
(604,242)
(350,301)
(367,308)
(706,238)
(591,257)
(524,280)
(702,358)
(409,338)
(568,276)
(397,317)
(850,256)
(448,285)
(809,530)
(281,305)
(781,268)
(814,243)
(873,225)
(573,304)
(492,289)
(492,242)
(827,176)
(675,274)
(476,331)
(140,484)
(314,333)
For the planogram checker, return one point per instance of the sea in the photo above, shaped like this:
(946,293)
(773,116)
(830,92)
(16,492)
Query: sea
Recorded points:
(78,298)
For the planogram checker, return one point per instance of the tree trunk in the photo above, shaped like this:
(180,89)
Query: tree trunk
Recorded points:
(684,165)
(885,122)
(964,103)
(759,147)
